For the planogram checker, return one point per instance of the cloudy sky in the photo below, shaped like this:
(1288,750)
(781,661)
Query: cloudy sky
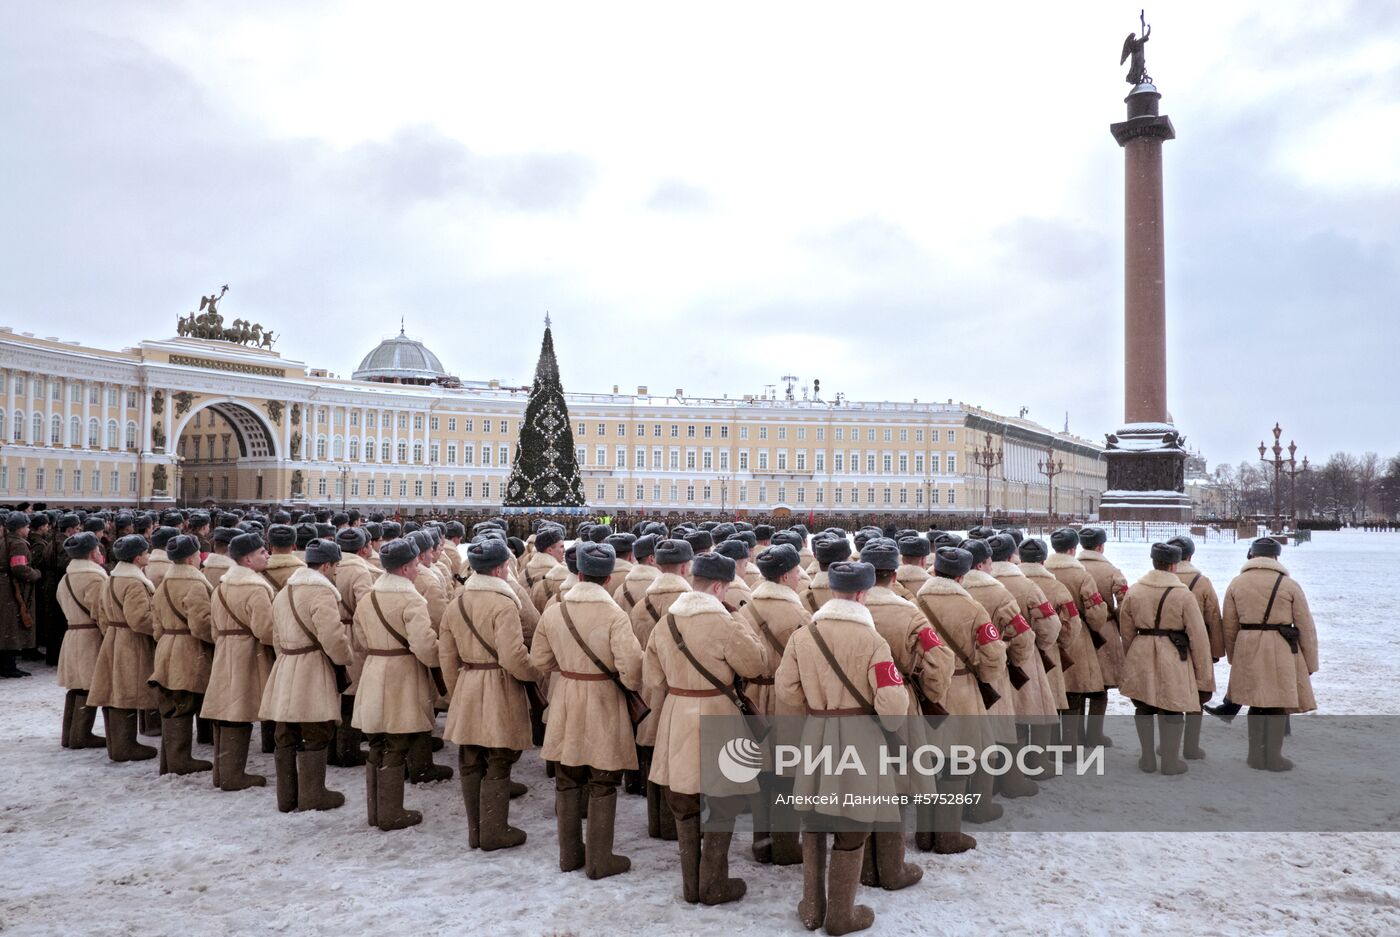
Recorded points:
(904,201)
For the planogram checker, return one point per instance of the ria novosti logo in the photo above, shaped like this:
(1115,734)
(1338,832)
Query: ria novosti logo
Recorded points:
(740,760)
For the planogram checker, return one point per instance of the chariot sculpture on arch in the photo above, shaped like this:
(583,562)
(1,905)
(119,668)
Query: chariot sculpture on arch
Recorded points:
(208,324)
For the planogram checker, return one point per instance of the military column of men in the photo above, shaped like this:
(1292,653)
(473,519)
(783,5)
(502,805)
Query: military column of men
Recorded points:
(629,640)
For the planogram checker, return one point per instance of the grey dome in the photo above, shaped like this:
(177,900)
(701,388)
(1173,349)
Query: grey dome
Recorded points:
(400,359)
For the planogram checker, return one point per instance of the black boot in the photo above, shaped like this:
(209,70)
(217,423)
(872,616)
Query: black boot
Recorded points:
(7,665)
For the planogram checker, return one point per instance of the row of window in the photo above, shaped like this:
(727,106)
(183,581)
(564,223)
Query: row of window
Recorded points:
(705,459)
(374,419)
(40,480)
(39,430)
(707,432)
(38,388)
(711,494)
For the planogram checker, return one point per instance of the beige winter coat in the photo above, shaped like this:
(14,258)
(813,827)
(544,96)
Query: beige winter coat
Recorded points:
(536,572)
(806,680)
(1209,601)
(816,593)
(1083,677)
(354,577)
(1109,587)
(634,586)
(79,592)
(588,723)
(963,624)
(280,567)
(774,614)
(737,594)
(156,567)
(1264,671)
(726,647)
(489,707)
(433,587)
(301,687)
(184,630)
(127,656)
(396,692)
(1020,645)
(912,578)
(1037,697)
(915,647)
(1069,629)
(652,605)
(243,642)
(1153,671)
(216,565)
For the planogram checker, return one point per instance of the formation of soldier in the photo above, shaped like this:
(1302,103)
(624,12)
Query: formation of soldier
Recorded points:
(331,632)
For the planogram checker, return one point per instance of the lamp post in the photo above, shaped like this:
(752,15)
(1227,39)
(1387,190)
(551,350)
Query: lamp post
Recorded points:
(723,492)
(1293,471)
(987,458)
(1050,467)
(1278,462)
(344,471)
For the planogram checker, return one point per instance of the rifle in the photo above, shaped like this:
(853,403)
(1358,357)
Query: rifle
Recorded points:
(989,693)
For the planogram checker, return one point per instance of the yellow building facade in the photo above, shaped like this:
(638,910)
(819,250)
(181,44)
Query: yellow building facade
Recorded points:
(187,420)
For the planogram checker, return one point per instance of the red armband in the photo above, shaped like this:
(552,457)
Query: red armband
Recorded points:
(1018,624)
(1095,599)
(887,674)
(19,561)
(1123,589)
(1071,609)
(987,633)
(928,639)
(1047,610)
(202,557)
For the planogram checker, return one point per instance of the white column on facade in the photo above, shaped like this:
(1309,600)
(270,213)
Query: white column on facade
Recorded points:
(147,418)
(364,433)
(68,410)
(394,441)
(10,404)
(286,430)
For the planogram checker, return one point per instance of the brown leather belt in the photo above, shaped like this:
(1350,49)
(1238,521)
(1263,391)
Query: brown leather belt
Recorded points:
(388,652)
(165,631)
(233,633)
(474,665)
(853,711)
(681,691)
(591,677)
(90,626)
(961,672)
(294,651)
(759,681)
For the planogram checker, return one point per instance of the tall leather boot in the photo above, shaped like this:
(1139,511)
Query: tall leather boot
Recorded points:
(1172,725)
(233,758)
(121,736)
(599,859)
(372,763)
(761,808)
(1147,763)
(471,796)
(284,759)
(894,873)
(1093,731)
(496,831)
(843,915)
(688,839)
(419,763)
(948,837)
(70,705)
(218,733)
(83,717)
(1256,758)
(392,815)
(176,741)
(811,910)
(312,793)
(349,737)
(570,828)
(269,737)
(985,810)
(1275,727)
(716,887)
(1191,745)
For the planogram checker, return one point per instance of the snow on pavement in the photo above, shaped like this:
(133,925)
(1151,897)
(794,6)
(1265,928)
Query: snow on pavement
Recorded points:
(89,847)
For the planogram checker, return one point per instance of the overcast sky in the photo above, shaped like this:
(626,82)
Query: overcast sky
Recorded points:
(905,201)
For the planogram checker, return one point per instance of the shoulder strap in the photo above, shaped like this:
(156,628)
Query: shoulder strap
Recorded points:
(810,600)
(569,623)
(628,592)
(228,611)
(710,678)
(270,581)
(651,609)
(164,593)
(943,633)
(296,616)
(462,607)
(865,704)
(374,600)
(1191,587)
(763,627)
(1272,595)
(1157,622)
(74,596)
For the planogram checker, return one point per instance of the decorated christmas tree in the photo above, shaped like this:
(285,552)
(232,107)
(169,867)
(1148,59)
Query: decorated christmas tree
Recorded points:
(545,471)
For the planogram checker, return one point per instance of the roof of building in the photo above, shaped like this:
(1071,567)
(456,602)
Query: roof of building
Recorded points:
(400,358)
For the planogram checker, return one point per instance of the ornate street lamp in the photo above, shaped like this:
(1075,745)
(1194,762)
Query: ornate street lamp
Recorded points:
(1278,462)
(987,458)
(1050,467)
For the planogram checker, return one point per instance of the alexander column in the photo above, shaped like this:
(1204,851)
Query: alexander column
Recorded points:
(1147,456)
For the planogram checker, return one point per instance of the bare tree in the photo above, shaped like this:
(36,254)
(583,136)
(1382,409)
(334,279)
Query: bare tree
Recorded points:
(1367,474)
(1338,483)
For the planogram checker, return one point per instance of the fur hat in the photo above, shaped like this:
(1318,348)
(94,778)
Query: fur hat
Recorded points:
(881,553)
(281,535)
(162,536)
(1092,537)
(486,553)
(1002,547)
(913,545)
(595,559)
(644,546)
(547,537)
(1165,553)
(352,539)
(1267,547)
(321,551)
(243,545)
(398,553)
(621,543)
(952,562)
(830,550)
(1185,544)
(776,560)
(80,546)
(129,547)
(981,553)
(182,546)
(1064,540)
(715,566)
(734,549)
(673,552)
(1033,551)
(848,577)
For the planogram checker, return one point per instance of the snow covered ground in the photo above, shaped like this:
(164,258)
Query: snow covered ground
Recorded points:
(88,847)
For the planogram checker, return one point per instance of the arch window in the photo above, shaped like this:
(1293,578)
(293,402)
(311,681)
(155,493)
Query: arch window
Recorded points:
(320,448)
(75,432)
(338,447)
(418,452)
(354,450)
(19,426)
(56,431)
(94,433)
(37,436)
(131,434)
(2,424)
(112,434)
(403,451)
